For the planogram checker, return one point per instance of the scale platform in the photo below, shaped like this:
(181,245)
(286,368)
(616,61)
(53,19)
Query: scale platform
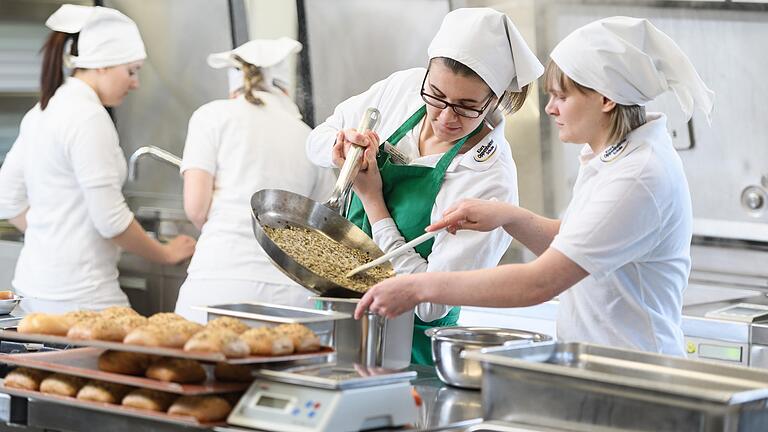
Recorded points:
(326,397)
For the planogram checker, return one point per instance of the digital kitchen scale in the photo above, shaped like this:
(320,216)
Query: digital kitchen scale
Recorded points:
(327,397)
(743,312)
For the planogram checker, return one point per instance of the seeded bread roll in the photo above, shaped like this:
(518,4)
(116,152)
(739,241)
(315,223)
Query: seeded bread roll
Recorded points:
(75,317)
(44,323)
(171,334)
(233,373)
(100,391)
(25,378)
(124,362)
(203,408)
(97,329)
(264,341)
(150,400)
(62,385)
(118,311)
(304,339)
(218,340)
(228,323)
(130,322)
(178,370)
(165,317)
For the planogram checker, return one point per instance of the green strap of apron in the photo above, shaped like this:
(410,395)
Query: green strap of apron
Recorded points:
(409,192)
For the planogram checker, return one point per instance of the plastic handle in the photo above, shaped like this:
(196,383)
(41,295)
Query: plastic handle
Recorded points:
(353,160)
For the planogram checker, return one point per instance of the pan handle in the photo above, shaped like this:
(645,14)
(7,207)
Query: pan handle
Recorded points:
(352,163)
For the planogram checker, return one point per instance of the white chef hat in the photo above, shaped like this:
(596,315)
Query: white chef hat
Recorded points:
(631,62)
(268,54)
(107,37)
(486,41)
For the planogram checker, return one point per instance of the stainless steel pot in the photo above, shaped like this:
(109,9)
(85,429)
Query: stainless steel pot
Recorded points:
(373,340)
(449,342)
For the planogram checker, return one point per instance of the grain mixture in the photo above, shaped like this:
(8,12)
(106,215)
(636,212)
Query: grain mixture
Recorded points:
(326,257)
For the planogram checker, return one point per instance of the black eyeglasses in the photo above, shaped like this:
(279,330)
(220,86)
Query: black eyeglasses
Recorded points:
(458,109)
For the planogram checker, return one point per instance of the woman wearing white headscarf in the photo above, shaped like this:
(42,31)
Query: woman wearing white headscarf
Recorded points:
(620,257)
(61,181)
(234,148)
(444,120)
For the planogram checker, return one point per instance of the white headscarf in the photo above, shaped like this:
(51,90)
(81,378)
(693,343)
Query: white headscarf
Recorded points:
(486,41)
(268,54)
(107,37)
(631,62)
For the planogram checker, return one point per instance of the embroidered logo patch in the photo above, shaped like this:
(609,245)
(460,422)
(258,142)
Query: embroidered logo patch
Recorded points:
(611,153)
(484,152)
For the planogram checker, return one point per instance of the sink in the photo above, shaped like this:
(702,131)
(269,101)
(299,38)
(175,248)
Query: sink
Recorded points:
(161,215)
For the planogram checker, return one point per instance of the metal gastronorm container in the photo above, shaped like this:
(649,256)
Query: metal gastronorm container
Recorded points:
(573,384)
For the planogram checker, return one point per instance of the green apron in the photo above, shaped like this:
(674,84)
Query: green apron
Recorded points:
(409,193)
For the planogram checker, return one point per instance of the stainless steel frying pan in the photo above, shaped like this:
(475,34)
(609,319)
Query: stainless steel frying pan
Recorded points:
(278,208)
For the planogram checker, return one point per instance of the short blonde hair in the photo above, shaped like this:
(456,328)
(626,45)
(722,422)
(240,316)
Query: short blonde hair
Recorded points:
(623,118)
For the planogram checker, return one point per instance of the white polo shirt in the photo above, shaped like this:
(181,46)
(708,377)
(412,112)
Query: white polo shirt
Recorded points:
(629,225)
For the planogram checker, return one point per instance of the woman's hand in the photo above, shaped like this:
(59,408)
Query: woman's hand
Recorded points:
(178,249)
(475,214)
(367,184)
(349,137)
(393,296)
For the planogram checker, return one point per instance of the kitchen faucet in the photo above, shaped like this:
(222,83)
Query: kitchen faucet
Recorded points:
(156,153)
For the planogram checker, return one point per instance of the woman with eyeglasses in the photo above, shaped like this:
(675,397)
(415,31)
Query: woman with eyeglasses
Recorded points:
(619,258)
(444,140)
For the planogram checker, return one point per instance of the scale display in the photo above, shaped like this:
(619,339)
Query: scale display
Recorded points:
(743,312)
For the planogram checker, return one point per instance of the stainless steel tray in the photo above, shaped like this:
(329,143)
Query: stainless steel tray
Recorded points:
(160,351)
(84,362)
(573,383)
(272,313)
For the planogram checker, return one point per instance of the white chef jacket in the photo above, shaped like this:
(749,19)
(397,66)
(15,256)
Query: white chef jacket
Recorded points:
(486,171)
(629,225)
(67,167)
(247,148)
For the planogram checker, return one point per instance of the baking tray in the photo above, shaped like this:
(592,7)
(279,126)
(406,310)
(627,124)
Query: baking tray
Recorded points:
(161,351)
(83,362)
(112,408)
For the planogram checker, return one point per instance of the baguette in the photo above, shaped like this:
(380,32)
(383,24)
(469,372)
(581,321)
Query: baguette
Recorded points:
(25,378)
(44,324)
(150,400)
(100,391)
(233,373)
(203,408)
(178,370)
(62,385)
(124,362)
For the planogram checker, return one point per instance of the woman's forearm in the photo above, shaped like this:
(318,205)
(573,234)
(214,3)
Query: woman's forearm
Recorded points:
(136,241)
(533,231)
(511,285)
(375,208)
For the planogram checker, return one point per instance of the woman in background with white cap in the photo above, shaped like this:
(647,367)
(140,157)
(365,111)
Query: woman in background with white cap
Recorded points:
(620,257)
(234,148)
(61,181)
(444,120)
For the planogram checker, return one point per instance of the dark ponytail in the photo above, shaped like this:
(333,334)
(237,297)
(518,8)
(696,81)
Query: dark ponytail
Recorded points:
(52,75)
